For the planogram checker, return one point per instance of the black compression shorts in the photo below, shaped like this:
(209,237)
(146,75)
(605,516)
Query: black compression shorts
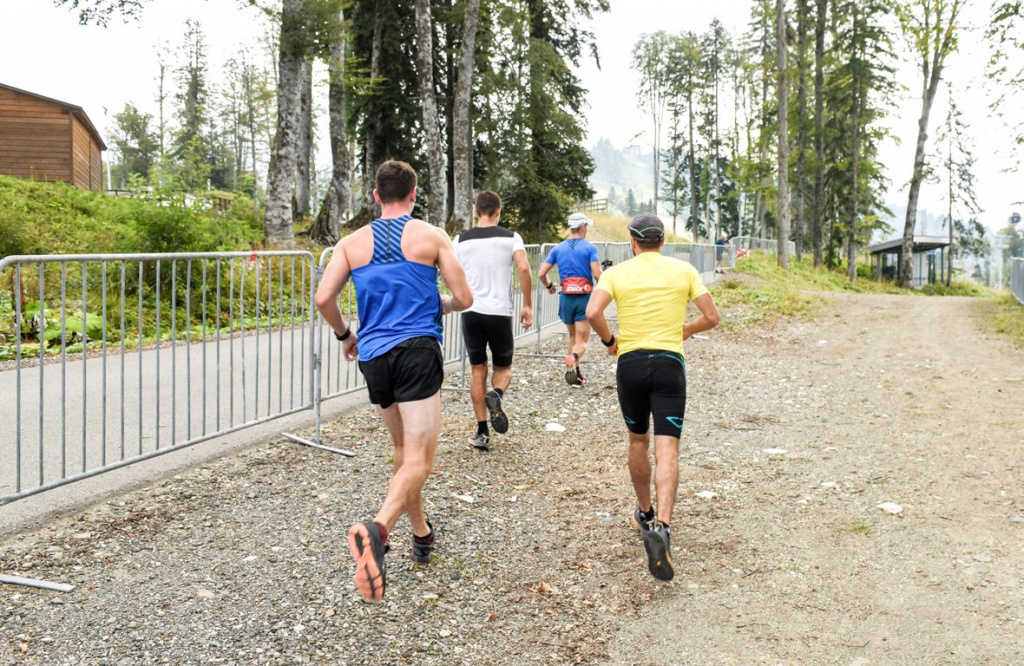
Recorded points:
(481,331)
(411,370)
(652,382)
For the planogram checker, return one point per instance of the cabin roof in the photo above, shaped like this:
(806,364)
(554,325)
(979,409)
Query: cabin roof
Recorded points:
(77,111)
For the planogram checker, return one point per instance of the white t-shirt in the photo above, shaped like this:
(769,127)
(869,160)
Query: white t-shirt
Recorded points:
(486,254)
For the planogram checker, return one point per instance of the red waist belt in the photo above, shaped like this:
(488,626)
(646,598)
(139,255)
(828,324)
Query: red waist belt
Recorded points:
(576,285)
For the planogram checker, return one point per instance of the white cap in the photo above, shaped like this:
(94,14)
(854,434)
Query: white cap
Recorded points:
(577,220)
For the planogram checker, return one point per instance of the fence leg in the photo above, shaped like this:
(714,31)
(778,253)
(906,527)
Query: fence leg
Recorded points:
(538,317)
(316,374)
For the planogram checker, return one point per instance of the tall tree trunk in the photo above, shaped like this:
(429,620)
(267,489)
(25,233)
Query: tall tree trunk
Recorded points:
(462,130)
(446,106)
(693,175)
(907,267)
(937,42)
(765,128)
(304,155)
(851,238)
(370,159)
(436,159)
(281,179)
(326,230)
(656,144)
(718,168)
(927,99)
(250,119)
(780,19)
(800,189)
(819,130)
(161,95)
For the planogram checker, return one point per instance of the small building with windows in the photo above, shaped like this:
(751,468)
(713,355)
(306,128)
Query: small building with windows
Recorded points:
(46,139)
(931,261)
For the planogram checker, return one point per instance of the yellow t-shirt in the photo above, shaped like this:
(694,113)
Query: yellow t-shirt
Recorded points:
(651,292)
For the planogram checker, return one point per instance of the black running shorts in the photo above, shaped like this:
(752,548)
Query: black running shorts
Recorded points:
(411,370)
(652,382)
(482,330)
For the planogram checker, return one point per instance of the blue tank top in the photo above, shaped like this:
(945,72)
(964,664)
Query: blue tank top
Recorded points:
(397,299)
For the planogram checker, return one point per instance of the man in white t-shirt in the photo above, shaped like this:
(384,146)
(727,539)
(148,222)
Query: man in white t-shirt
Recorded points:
(487,253)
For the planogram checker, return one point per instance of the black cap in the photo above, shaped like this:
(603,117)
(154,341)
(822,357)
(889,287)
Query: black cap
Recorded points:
(647,228)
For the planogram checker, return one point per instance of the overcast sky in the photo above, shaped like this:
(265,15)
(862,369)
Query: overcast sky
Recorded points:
(44,50)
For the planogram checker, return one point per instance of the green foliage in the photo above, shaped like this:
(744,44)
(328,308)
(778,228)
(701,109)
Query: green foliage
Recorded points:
(101,11)
(760,291)
(530,104)
(53,218)
(45,323)
(136,143)
(1004,314)
(959,288)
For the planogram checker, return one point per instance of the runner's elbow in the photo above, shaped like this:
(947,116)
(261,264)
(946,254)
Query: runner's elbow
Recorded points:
(323,298)
(462,301)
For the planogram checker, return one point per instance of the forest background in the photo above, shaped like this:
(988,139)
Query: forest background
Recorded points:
(237,96)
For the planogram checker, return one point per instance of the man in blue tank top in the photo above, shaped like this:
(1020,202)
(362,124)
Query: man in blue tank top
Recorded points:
(579,268)
(394,262)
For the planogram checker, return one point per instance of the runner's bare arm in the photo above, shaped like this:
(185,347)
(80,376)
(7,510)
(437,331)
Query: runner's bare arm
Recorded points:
(453,275)
(544,268)
(599,300)
(708,318)
(595,268)
(335,277)
(526,285)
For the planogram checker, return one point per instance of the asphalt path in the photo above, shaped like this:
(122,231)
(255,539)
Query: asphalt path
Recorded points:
(126,411)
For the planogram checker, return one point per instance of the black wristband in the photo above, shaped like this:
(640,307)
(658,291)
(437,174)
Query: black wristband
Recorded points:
(610,342)
(342,338)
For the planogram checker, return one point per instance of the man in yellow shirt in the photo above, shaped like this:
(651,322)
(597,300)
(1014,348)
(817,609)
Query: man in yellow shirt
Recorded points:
(651,293)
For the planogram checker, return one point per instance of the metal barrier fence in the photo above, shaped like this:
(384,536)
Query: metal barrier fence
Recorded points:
(702,256)
(221,341)
(759,245)
(136,355)
(1017,278)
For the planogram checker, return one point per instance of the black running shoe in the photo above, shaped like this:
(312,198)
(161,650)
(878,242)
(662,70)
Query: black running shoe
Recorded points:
(639,521)
(421,549)
(480,441)
(499,420)
(659,556)
(577,382)
(367,547)
(570,376)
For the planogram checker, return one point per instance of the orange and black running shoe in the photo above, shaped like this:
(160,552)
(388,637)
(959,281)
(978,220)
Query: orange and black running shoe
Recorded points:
(367,546)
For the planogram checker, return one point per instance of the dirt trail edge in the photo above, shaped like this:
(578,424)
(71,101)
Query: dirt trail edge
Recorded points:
(851,493)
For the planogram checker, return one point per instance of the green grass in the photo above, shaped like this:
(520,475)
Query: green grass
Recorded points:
(861,526)
(612,228)
(759,291)
(54,218)
(38,218)
(1001,313)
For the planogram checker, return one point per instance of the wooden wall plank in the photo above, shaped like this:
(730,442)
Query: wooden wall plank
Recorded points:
(43,140)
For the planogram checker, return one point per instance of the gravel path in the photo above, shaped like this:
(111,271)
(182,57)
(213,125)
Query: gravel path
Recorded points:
(795,435)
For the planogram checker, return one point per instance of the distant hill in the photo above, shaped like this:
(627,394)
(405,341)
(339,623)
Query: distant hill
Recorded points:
(626,168)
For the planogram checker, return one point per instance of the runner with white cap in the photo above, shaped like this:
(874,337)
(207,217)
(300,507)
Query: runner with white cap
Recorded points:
(578,270)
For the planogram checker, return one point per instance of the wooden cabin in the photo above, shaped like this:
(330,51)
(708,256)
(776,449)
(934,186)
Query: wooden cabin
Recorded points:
(46,139)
